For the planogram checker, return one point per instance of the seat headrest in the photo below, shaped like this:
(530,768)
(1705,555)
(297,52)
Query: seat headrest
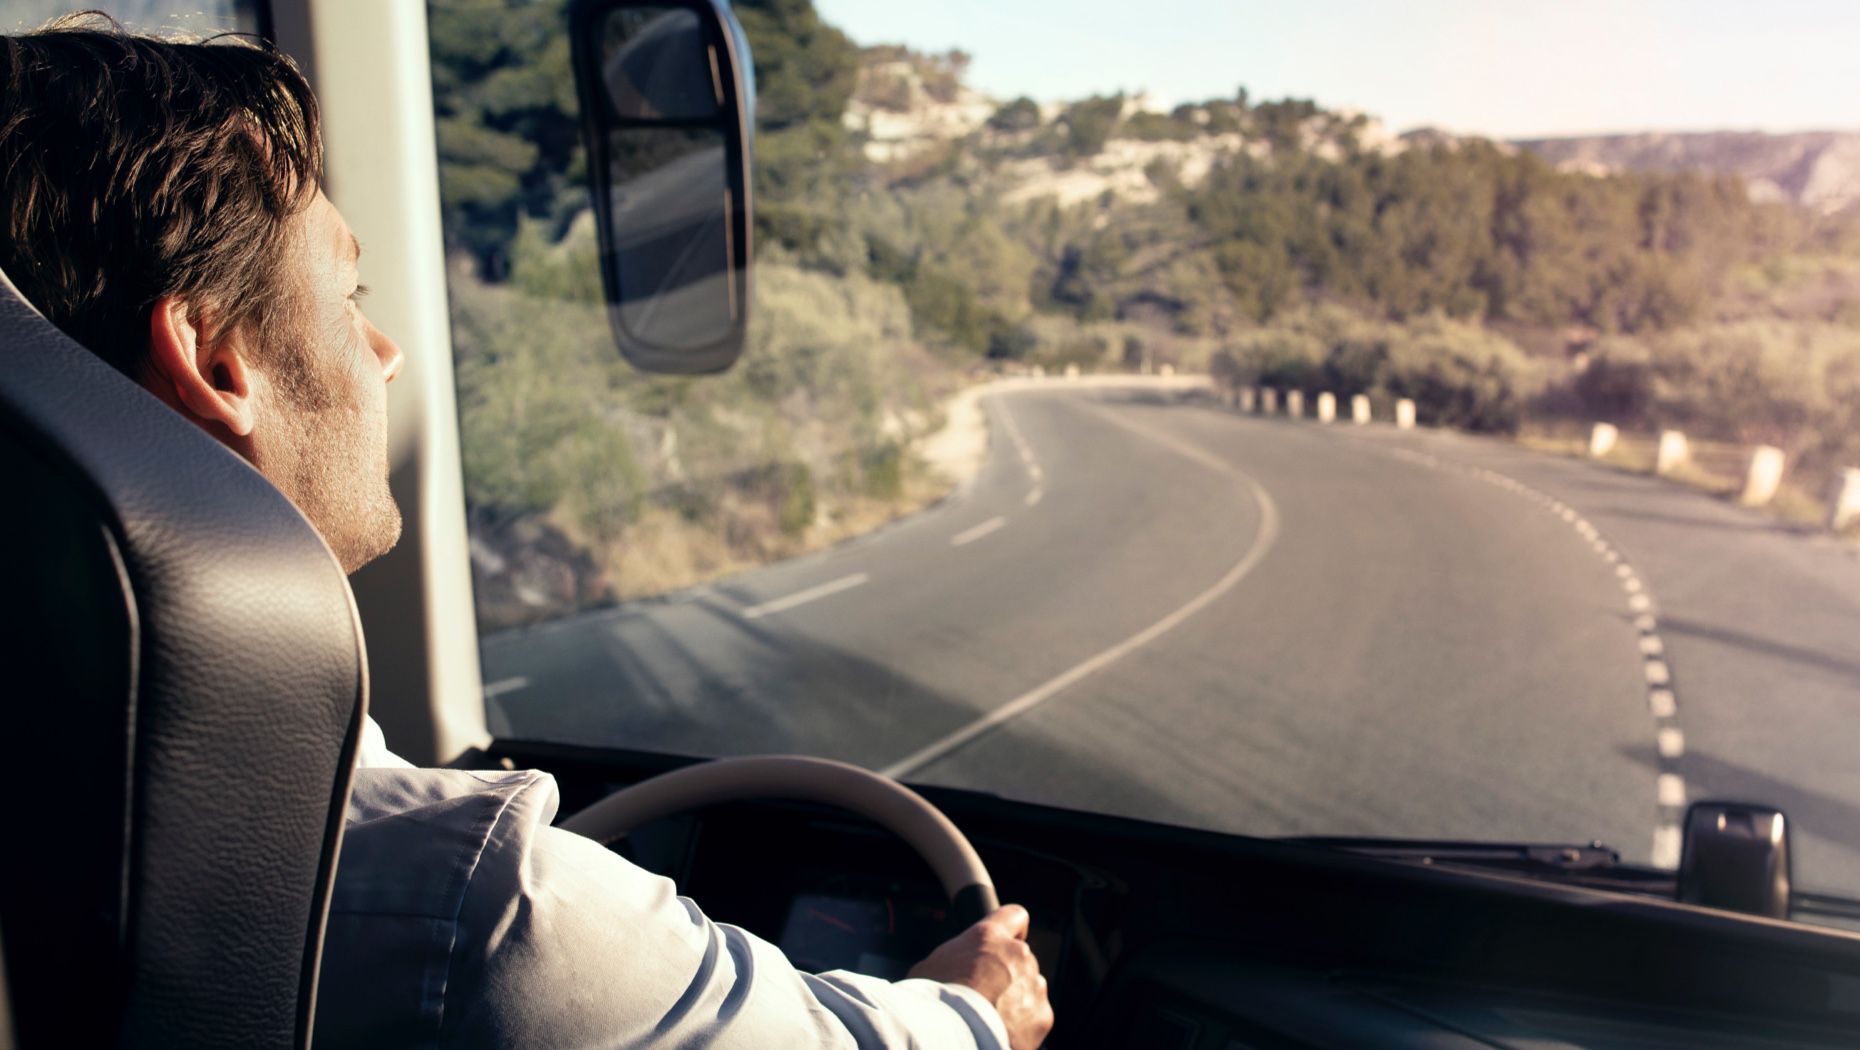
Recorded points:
(186,688)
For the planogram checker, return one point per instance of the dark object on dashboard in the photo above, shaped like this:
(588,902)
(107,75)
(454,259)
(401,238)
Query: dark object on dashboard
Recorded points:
(667,98)
(1736,857)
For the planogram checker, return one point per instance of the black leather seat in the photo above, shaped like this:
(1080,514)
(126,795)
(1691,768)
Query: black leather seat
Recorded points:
(182,687)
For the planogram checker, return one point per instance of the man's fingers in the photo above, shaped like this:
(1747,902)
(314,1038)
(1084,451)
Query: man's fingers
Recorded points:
(1012,919)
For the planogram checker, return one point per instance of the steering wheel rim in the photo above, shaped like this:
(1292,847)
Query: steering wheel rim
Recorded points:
(883,801)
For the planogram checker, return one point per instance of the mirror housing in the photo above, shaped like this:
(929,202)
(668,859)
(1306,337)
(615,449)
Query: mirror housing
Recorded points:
(1736,856)
(667,99)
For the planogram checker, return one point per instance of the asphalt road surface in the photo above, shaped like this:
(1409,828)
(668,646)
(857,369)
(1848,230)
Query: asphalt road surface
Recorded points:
(1150,605)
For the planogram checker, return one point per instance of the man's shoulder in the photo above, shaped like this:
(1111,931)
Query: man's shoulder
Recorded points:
(415,838)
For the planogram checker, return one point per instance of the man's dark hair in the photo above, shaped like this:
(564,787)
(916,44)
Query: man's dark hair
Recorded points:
(133,168)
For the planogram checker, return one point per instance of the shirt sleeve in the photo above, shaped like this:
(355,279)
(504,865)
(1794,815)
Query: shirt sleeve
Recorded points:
(564,943)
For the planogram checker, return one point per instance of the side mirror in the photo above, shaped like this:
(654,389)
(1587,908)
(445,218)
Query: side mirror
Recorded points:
(1736,856)
(667,101)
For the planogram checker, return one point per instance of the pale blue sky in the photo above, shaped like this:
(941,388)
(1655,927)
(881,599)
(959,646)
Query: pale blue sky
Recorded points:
(1511,68)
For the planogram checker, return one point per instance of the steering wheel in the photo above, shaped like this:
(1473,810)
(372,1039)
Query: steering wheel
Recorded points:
(884,801)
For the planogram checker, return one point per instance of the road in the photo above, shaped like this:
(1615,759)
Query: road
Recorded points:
(1150,605)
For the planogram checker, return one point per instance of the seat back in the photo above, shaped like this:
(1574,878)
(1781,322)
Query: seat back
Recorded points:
(182,689)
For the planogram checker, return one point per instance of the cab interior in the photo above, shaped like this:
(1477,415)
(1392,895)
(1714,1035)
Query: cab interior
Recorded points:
(1154,937)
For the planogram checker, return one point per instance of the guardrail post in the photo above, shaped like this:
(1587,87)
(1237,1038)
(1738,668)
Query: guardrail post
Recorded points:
(1039,371)
(1249,399)
(1327,407)
(1359,409)
(1602,440)
(1295,403)
(1764,477)
(1404,414)
(1844,504)
(1167,371)
(1072,371)
(1268,400)
(1673,453)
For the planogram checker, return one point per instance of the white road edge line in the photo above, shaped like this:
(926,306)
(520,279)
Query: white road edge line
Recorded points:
(967,536)
(506,685)
(844,583)
(1666,844)
(1020,705)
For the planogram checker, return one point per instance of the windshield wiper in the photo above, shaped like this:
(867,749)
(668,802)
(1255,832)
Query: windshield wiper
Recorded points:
(1595,864)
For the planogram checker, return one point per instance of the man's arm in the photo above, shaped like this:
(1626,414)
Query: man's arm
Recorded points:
(564,942)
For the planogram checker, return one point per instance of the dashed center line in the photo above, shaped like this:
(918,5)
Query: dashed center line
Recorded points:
(1263,540)
(1662,702)
(970,535)
(507,685)
(844,583)
(1025,452)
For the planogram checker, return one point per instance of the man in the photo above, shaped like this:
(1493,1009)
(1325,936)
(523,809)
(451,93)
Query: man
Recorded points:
(162,206)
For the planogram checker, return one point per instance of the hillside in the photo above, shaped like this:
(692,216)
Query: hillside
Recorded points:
(913,234)
(1817,170)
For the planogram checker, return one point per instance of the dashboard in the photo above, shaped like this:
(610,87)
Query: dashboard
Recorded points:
(1161,938)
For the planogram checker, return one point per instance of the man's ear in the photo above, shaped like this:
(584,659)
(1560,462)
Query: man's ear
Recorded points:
(207,382)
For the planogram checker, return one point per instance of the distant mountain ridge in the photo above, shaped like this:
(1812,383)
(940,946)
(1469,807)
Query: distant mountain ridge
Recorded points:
(907,104)
(1819,170)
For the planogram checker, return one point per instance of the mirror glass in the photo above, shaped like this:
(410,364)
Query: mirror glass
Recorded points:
(670,209)
(656,65)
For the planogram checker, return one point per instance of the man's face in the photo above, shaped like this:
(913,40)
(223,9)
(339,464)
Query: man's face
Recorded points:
(320,391)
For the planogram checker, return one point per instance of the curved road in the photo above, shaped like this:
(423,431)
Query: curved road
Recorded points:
(1149,605)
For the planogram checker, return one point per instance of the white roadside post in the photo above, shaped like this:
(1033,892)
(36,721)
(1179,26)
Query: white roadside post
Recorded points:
(1673,453)
(1844,505)
(1072,370)
(1249,399)
(1295,403)
(1602,440)
(1359,409)
(1327,407)
(1167,371)
(1765,475)
(1268,400)
(1404,414)
(1039,371)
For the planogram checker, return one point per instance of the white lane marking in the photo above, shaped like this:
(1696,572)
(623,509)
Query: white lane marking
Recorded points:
(967,536)
(507,685)
(1020,705)
(1662,703)
(1672,789)
(1672,743)
(1666,846)
(1024,451)
(844,583)
(1034,497)
(1661,700)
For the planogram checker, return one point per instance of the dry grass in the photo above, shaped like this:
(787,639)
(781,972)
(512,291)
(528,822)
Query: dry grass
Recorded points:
(664,552)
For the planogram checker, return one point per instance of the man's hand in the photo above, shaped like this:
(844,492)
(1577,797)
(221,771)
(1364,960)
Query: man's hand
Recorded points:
(992,957)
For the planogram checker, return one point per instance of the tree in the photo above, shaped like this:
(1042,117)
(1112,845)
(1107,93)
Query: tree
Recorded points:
(1022,114)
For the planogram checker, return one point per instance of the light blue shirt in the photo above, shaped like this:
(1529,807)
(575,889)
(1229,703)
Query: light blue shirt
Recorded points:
(462,919)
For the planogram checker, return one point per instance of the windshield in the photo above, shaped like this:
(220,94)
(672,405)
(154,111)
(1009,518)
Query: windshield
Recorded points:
(1449,435)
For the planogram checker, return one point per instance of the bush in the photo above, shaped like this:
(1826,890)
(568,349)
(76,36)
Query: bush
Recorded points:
(1618,384)
(1458,375)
